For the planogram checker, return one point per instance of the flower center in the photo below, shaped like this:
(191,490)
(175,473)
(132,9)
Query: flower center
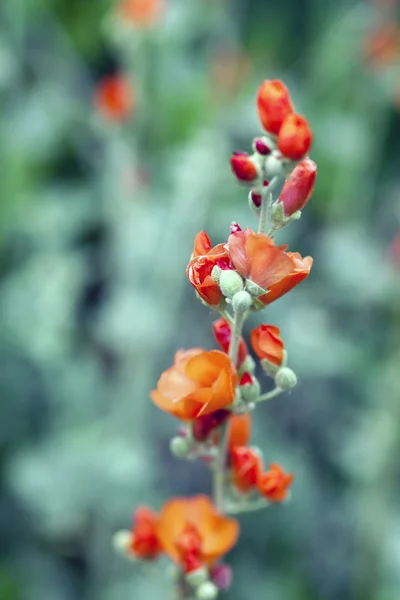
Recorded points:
(188,544)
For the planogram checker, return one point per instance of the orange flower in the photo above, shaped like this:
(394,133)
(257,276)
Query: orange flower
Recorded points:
(197,384)
(145,543)
(298,187)
(193,533)
(246,468)
(114,98)
(301,268)
(200,268)
(222,333)
(243,167)
(239,431)
(295,137)
(274,484)
(273,104)
(267,344)
(256,257)
(141,13)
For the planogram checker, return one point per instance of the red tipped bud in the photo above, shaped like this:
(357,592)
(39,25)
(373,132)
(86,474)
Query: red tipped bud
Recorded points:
(273,104)
(262,147)
(295,137)
(246,379)
(243,167)
(256,199)
(298,187)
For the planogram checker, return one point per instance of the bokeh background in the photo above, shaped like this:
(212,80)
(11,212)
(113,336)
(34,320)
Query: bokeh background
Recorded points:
(97,218)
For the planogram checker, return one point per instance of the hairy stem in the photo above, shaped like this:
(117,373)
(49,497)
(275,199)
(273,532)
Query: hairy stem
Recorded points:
(266,205)
(269,395)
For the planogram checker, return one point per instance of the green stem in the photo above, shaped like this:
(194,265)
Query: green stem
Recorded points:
(220,460)
(269,395)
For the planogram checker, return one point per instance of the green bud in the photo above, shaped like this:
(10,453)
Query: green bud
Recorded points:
(180,447)
(230,283)
(254,289)
(121,541)
(197,577)
(285,379)
(274,165)
(269,368)
(241,302)
(248,365)
(207,591)
(251,392)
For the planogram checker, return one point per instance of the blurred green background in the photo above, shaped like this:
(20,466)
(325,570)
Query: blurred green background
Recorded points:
(97,220)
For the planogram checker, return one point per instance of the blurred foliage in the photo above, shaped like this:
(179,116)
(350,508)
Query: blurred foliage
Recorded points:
(97,222)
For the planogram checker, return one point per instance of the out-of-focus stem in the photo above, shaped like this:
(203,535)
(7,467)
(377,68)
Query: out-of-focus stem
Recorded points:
(269,395)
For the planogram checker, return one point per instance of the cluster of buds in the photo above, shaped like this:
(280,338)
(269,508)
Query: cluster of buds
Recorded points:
(213,393)
(284,144)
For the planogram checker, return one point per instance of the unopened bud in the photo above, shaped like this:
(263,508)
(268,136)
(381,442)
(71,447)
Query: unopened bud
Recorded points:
(269,368)
(249,388)
(122,541)
(216,273)
(255,199)
(274,165)
(298,187)
(241,302)
(197,577)
(207,591)
(285,379)
(230,283)
(248,365)
(262,146)
(180,447)
(295,137)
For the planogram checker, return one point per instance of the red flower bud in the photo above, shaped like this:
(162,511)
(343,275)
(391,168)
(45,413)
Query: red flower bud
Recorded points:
(295,137)
(256,198)
(114,98)
(274,484)
(246,468)
(267,344)
(243,167)
(273,104)
(298,187)
(235,227)
(222,333)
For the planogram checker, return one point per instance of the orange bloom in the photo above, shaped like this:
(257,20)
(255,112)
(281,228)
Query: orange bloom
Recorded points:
(267,344)
(246,468)
(301,268)
(114,98)
(274,484)
(243,167)
(141,13)
(256,257)
(295,137)
(239,431)
(298,187)
(222,333)
(145,543)
(200,268)
(197,384)
(193,533)
(273,104)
